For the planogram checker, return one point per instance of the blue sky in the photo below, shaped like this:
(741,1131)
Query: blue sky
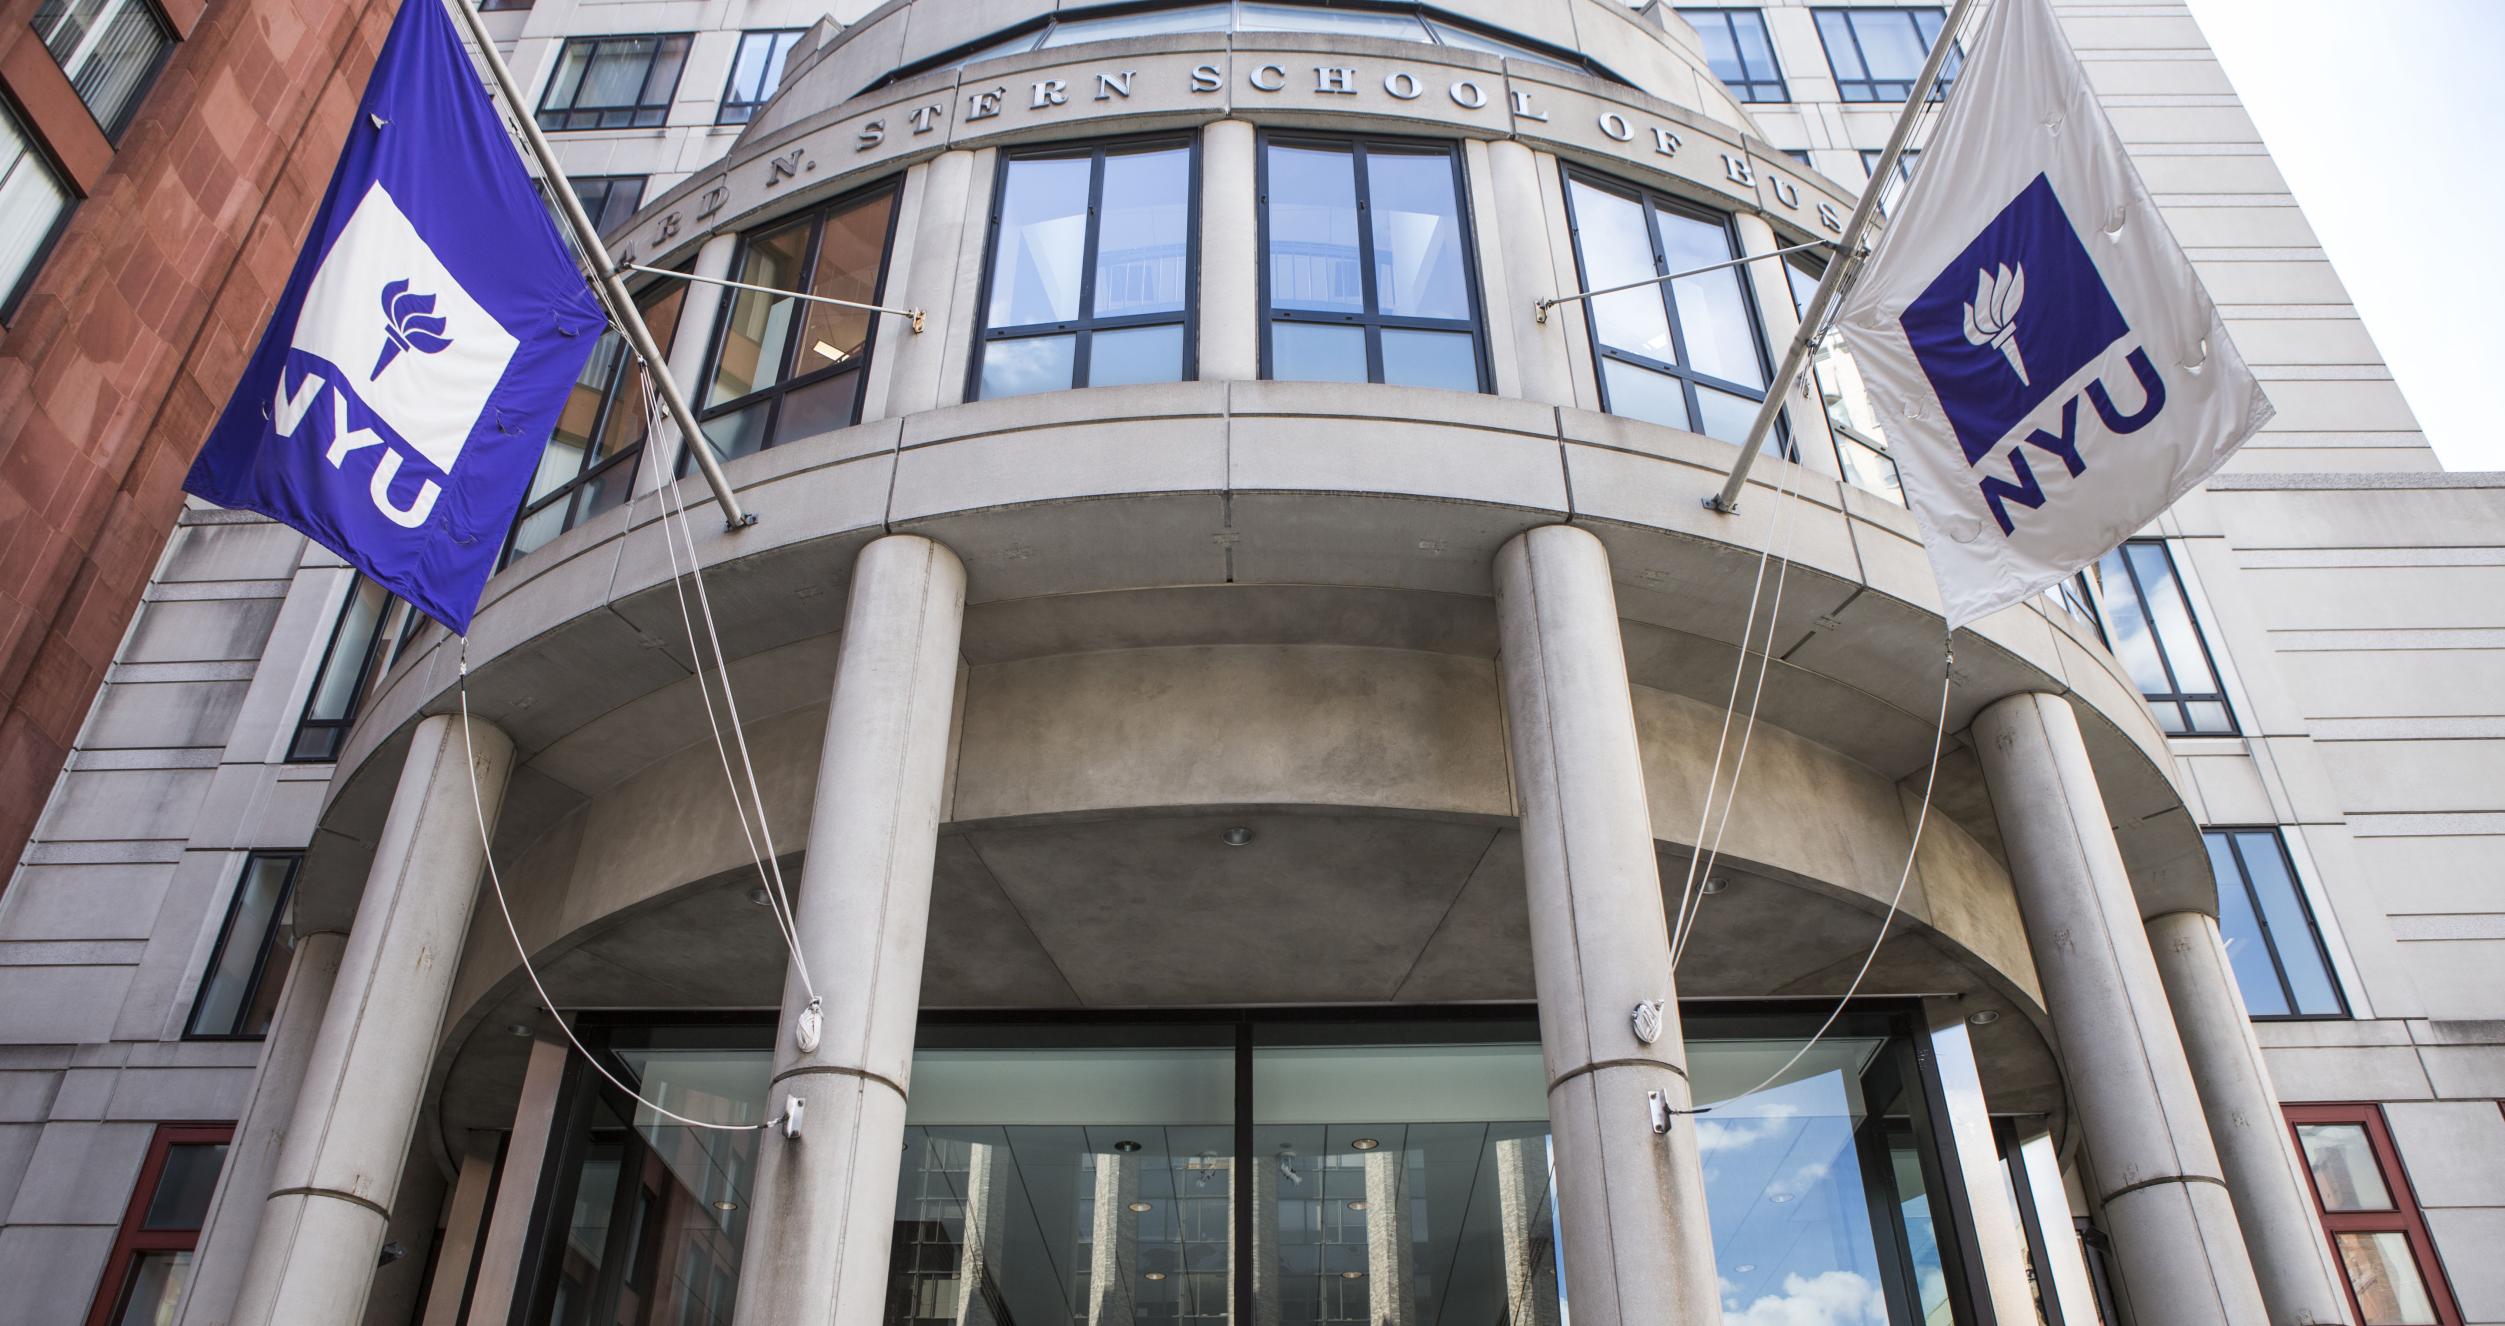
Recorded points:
(2388,119)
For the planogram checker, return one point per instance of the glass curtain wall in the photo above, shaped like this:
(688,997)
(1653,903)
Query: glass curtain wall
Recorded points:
(1296,1169)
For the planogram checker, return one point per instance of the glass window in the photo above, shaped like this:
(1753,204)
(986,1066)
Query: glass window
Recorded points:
(339,685)
(248,968)
(755,72)
(786,368)
(150,1264)
(609,200)
(1683,353)
(2153,633)
(2278,956)
(1091,271)
(110,49)
(1368,274)
(33,204)
(1253,16)
(1905,163)
(2376,1229)
(1151,23)
(1877,54)
(614,82)
(1737,48)
(589,463)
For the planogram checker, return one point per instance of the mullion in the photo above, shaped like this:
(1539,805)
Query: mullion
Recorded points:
(1370,296)
(2261,918)
(1091,234)
(261,953)
(1670,307)
(2157,641)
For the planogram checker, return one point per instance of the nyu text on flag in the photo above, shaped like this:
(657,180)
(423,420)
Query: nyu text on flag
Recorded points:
(415,364)
(2051,372)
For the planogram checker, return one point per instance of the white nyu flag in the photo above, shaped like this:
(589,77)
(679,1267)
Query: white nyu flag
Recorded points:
(2051,372)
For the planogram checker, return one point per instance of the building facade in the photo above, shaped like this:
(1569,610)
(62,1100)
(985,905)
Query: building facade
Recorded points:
(1233,684)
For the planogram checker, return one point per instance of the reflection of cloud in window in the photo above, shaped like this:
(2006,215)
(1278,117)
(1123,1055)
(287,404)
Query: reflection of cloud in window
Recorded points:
(1834,1298)
(1714,1135)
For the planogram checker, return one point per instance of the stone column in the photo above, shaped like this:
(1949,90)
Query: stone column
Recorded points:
(1632,1203)
(2157,1174)
(825,1205)
(331,1190)
(1391,1256)
(465,1222)
(243,1189)
(929,283)
(508,1230)
(1532,269)
(1530,1256)
(2282,1231)
(1230,316)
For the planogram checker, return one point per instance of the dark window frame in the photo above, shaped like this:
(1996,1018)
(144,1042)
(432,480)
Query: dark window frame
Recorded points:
(708,409)
(1689,379)
(2270,939)
(566,115)
(722,111)
(1084,327)
(1747,88)
(619,372)
(2405,1218)
(609,188)
(131,1239)
(2181,699)
(297,751)
(1372,321)
(264,943)
(1872,87)
(41,154)
(139,90)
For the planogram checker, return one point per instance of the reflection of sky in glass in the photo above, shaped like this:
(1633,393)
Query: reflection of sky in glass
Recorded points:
(1791,1221)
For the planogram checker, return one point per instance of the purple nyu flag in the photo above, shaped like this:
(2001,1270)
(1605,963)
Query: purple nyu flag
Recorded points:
(412,370)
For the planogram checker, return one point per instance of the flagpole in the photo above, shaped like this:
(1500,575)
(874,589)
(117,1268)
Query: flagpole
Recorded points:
(1848,254)
(622,310)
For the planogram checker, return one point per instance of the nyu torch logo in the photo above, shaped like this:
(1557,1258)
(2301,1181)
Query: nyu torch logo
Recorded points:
(407,325)
(1995,393)
(1992,316)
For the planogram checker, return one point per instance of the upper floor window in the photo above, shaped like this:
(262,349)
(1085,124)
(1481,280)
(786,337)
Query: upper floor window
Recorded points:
(33,204)
(1367,273)
(2279,960)
(609,200)
(2075,598)
(1877,54)
(589,463)
(339,686)
(2150,626)
(784,367)
(1742,56)
(1091,272)
(110,49)
(614,82)
(145,1273)
(1682,353)
(239,991)
(1905,163)
(2376,1229)
(755,72)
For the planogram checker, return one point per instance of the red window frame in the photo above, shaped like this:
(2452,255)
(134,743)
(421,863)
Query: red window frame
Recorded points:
(2404,1219)
(131,1240)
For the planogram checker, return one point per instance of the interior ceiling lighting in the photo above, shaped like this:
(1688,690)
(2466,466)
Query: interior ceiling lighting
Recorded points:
(1143,1207)
(1236,836)
(1357,1205)
(724,1204)
(1352,1275)
(520,1028)
(1126,1146)
(1715,884)
(1778,1198)
(1365,1144)
(1984,1017)
(758,896)
(1154,1275)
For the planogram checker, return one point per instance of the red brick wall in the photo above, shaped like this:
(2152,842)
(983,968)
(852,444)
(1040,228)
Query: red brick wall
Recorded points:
(135,328)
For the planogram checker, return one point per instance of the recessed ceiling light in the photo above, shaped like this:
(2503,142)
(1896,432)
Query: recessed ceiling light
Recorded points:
(1126,1146)
(724,1204)
(1236,836)
(758,896)
(1143,1207)
(1154,1275)
(521,1029)
(1365,1144)
(1714,884)
(1357,1205)
(1984,1017)
(1352,1275)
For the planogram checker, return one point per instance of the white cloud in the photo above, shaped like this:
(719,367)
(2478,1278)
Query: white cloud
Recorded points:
(1833,1298)
(1739,1134)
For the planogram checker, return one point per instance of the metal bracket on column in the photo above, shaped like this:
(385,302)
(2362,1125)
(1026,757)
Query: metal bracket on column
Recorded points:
(792,1108)
(1660,1105)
